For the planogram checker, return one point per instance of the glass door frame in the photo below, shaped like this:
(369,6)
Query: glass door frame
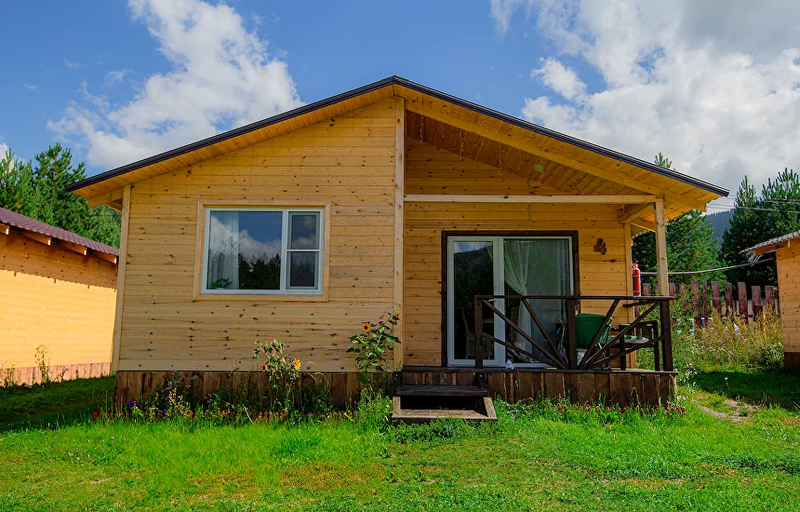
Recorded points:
(498,271)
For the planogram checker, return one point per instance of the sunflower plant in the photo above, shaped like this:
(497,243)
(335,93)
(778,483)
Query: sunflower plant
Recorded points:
(372,343)
(281,374)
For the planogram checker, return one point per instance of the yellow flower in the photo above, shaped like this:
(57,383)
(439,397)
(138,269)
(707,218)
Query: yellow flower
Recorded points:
(296,364)
(365,327)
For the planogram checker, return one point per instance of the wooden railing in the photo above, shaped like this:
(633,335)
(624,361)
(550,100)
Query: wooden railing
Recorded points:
(604,348)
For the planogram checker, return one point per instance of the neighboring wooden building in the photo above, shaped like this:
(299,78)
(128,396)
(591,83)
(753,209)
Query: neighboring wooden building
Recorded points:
(58,292)
(379,199)
(787,254)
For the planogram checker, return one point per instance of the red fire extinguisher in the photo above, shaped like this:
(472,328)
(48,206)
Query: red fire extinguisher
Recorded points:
(637,280)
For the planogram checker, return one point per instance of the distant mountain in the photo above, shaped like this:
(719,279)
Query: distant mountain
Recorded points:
(719,221)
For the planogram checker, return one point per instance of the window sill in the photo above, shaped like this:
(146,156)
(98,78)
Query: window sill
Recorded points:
(262,297)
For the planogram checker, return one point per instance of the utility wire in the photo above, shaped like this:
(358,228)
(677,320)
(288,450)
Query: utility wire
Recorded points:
(694,272)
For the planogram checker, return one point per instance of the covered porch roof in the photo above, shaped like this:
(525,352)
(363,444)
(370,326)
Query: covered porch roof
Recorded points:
(555,164)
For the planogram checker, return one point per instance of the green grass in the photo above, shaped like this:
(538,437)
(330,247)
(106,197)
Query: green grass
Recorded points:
(54,404)
(529,459)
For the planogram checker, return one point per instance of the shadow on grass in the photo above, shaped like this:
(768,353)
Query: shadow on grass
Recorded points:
(55,404)
(778,388)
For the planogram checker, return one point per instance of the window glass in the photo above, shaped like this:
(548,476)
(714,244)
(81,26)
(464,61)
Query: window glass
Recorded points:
(304,231)
(247,250)
(303,273)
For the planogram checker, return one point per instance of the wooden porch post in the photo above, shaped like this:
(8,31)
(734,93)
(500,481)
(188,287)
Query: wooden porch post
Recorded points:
(663,283)
(661,249)
(399,216)
(121,261)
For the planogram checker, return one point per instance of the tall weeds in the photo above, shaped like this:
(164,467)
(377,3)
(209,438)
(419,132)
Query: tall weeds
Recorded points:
(730,342)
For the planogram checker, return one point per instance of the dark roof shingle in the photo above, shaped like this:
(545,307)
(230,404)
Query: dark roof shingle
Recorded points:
(28,224)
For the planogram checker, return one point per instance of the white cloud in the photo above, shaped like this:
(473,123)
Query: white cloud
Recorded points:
(30,87)
(502,11)
(72,64)
(222,76)
(3,150)
(554,75)
(115,77)
(715,88)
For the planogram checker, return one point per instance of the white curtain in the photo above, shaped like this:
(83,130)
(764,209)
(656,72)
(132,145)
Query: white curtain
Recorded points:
(537,267)
(517,261)
(223,249)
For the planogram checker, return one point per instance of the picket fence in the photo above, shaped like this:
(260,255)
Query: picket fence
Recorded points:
(707,297)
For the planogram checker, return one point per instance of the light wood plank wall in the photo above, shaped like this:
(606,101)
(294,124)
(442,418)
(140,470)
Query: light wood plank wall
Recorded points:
(347,161)
(789,290)
(435,171)
(57,298)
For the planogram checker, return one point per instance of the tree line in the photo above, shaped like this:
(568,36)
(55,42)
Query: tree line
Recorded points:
(756,217)
(36,189)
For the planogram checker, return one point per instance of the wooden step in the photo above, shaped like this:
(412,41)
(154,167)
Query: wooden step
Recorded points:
(439,390)
(483,413)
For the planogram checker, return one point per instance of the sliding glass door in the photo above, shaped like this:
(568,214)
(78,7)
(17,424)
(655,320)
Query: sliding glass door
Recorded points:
(505,265)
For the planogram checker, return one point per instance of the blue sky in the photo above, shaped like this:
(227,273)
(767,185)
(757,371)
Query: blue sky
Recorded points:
(714,87)
(329,49)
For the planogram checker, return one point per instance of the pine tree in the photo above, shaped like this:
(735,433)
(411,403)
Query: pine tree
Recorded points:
(756,219)
(690,245)
(37,189)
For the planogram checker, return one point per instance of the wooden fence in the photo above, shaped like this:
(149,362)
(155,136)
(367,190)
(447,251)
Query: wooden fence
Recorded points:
(725,299)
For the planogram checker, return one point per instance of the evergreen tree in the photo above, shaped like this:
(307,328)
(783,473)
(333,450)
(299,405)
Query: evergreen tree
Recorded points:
(37,189)
(756,219)
(690,244)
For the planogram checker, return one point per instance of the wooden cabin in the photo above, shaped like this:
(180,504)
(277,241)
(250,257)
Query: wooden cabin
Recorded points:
(392,197)
(57,300)
(787,254)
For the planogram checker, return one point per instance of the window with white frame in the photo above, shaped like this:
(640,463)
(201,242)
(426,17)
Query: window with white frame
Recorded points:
(263,251)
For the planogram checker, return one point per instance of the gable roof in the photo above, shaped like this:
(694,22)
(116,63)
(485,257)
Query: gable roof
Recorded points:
(772,244)
(390,86)
(27,224)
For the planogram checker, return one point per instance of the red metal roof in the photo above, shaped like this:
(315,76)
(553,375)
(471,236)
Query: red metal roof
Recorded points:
(28,224)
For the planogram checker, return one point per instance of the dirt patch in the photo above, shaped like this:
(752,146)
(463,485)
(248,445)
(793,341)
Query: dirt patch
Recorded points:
(738,411)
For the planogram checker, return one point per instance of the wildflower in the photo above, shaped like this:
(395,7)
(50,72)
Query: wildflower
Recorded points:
(263,367)
(296,364)
(365,327)
(131,404)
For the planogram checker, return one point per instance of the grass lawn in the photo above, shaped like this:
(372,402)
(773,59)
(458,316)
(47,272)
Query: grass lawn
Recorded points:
(728,452)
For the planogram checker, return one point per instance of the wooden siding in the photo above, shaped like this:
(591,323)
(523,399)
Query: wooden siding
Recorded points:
(626,388)
(345,164)
(54,297)
(436,171)
(789,292)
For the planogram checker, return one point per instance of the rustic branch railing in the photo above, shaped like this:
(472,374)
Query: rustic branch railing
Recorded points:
(655,334)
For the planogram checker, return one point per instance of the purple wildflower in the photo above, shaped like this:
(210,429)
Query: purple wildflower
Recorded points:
(131,404)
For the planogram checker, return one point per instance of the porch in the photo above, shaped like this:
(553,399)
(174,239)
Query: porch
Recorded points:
(584,366)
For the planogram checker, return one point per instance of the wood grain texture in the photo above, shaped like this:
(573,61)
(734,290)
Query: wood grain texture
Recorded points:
(600,274)
(789,294)
(55,297)
(345,164)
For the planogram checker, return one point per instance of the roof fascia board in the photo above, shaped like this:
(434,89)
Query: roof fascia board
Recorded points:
(402,82)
